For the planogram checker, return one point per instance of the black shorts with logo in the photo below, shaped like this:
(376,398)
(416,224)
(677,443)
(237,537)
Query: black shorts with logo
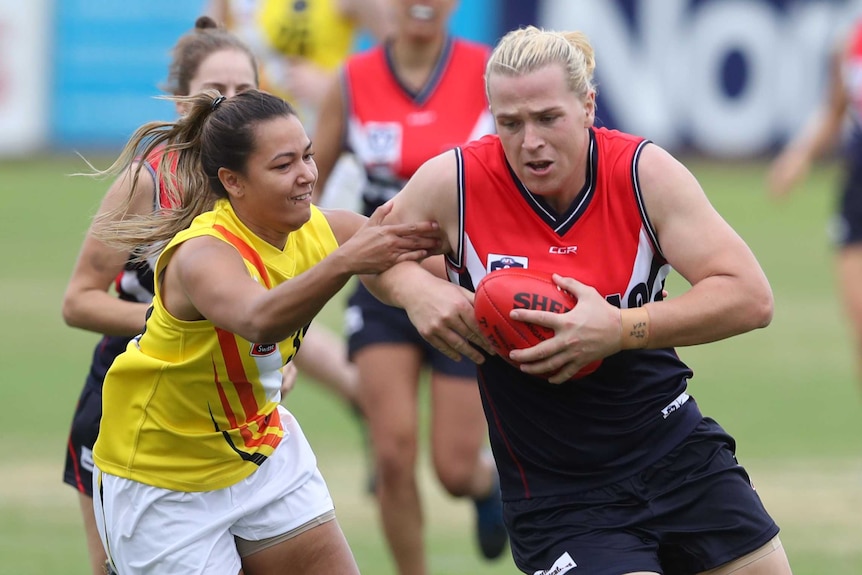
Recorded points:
(691,511)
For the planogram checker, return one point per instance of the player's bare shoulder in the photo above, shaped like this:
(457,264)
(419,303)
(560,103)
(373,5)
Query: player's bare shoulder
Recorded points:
(666,184)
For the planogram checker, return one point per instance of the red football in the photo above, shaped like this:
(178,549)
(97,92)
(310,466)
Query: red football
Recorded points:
(503,290)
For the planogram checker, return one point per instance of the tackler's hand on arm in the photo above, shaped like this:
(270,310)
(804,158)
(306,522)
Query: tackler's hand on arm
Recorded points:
(588,332)
(376,246)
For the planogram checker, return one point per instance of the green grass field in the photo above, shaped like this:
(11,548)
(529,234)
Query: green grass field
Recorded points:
(788,393)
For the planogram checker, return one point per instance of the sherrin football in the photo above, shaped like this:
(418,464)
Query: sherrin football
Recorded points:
(503,290)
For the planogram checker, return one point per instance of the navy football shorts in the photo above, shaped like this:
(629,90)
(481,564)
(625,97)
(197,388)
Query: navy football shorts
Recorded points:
(691,511)
(85,429)
(370,321)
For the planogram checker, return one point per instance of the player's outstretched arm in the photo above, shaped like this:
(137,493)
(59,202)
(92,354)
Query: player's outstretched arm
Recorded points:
(820,134)
(206,277)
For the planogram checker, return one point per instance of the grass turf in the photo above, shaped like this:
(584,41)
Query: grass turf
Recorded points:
(788,393)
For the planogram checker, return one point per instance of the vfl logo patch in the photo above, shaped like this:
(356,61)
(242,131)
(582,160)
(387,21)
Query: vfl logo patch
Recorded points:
(383,142)
(501,262)
(263,349)
(562,565)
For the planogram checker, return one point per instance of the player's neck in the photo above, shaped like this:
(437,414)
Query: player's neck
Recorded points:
(415,61)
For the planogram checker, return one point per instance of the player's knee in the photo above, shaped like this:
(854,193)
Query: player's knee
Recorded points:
(456,482)
(456,477)
(395,465)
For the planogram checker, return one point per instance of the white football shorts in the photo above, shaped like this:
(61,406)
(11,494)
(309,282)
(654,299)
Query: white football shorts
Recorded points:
(147,529)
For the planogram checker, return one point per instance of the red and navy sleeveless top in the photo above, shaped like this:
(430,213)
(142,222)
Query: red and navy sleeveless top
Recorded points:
(393,130)
(550,440)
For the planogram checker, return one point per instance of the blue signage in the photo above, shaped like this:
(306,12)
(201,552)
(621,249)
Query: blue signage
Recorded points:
(109,58)
(723,77)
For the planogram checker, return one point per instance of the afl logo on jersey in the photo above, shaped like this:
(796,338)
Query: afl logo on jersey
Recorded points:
(501,262)
(263,349)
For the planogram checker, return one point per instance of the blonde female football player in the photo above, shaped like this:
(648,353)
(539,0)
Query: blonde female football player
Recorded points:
(617,472)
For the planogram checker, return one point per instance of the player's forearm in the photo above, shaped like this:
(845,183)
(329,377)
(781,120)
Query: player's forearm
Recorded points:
(818,138)
(396,285)
(281,311)
(103,313)
(717,308)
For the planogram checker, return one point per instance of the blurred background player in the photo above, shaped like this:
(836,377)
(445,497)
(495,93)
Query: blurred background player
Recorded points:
(841,108)
(312,40)
(300,46)
(396,106)
(206,57)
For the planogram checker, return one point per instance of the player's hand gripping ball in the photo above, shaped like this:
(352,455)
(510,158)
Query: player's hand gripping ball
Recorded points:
(503,290)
